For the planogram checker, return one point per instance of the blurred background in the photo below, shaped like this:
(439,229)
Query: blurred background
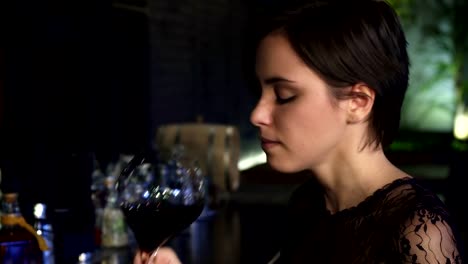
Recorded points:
(83,82)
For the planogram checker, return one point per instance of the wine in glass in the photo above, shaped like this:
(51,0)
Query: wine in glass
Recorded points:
(160,199)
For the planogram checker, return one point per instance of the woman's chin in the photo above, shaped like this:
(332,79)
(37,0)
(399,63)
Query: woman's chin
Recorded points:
(282,167)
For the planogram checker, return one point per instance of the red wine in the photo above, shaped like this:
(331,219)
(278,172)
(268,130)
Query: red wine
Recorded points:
(153,223)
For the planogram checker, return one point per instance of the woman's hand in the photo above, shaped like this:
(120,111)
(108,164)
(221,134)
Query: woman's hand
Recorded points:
(165,255)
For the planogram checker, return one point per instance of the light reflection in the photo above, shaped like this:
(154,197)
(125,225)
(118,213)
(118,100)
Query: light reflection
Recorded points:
(38,210)
(251,160)
(460,128)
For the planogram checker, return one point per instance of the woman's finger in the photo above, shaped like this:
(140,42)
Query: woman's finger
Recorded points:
(140,257)
(166,255)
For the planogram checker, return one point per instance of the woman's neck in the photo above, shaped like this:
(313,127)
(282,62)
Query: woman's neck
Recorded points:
(350,179)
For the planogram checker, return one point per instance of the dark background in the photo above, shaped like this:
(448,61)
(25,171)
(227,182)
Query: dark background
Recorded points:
(88,80)
(85,79)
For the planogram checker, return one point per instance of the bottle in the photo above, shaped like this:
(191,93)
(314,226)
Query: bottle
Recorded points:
(44,228)
(114,228)
(98,189)
(19,242)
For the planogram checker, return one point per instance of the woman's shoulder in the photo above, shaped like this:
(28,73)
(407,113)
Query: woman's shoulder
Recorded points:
(427,229)
(420,219)
(411,194)
(404,198)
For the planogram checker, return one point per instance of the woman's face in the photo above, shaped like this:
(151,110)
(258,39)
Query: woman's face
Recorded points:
(301,125)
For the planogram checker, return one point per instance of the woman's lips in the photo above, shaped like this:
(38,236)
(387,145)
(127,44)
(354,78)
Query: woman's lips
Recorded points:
(268,143)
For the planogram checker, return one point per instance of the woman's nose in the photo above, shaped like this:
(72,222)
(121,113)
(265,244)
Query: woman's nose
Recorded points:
(261,114)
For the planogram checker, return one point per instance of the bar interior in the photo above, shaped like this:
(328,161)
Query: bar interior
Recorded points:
(87,86)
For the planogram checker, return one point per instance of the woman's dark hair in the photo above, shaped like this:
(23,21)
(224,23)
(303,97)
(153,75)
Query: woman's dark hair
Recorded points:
(348,42)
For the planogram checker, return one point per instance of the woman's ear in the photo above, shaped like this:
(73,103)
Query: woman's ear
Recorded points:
(360,104)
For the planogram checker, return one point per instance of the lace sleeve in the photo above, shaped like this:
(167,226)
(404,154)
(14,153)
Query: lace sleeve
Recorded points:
(428,238)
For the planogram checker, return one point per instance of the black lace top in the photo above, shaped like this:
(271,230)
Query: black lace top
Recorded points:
(400,223)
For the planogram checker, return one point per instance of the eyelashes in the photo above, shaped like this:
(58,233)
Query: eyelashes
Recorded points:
(281,101)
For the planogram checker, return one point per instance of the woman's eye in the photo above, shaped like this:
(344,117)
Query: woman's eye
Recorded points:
(281,100)
(284,97)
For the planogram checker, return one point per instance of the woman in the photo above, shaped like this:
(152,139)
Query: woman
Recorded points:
(333,77)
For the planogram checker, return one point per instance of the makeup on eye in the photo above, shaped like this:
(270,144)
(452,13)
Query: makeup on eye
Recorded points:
(284,95)
(285,100)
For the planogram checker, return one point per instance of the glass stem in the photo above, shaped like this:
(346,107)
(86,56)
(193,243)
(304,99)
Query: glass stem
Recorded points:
(152,257)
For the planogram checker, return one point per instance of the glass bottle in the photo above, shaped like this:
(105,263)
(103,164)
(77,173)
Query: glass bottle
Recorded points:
(98,192)
(44,228)
(114,228)
(19,242)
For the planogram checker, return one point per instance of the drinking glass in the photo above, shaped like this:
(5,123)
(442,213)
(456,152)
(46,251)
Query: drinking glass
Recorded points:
(160,198)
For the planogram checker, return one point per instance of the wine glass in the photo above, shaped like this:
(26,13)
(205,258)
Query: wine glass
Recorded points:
(160,198)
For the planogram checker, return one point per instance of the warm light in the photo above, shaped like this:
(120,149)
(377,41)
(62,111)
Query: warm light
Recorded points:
(251,160)
(460,127)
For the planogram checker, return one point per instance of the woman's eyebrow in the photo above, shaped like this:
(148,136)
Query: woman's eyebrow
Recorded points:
(276,79)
